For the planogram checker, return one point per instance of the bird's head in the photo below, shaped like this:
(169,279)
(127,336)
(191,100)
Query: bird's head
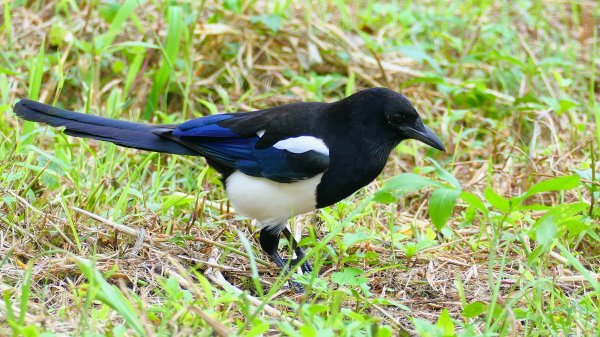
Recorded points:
(403,118)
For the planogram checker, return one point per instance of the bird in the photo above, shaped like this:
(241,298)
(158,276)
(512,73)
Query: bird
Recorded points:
(277,162)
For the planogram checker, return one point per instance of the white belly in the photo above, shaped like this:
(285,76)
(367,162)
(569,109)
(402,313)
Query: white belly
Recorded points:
(269,202)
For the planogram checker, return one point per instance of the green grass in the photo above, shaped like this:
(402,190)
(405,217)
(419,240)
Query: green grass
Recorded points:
(499,237)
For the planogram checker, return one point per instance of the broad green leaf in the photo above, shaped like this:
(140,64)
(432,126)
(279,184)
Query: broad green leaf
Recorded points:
(424,243)
(585,174)
(349,276)
(384,197)
(474,309)
(441,204)
(273,21)
(107,9)
(474,201)
(445,175)
(258,328)
(407,182)
(496,200)
(564,211)
(30,331)
(315,309)
(546,232)
(233,5)
(426,329)
(352,238)
(382,330)
(445,323)
(554,184)
(418,54)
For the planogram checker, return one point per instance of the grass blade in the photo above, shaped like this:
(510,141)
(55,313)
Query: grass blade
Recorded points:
(36,72)
(134,68)
(253,266)
(7,23)
(116,26)
(173,41)
(111,296)
(25,292)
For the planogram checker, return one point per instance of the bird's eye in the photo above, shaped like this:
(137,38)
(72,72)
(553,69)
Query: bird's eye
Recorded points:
(396,118)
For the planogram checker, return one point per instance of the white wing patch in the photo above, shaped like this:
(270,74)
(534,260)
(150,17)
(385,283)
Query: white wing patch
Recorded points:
(302,144)
(260,133)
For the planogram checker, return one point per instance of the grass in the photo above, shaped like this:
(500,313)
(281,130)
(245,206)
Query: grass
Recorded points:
(499,237)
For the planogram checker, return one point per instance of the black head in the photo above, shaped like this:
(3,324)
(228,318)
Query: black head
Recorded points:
(403,118)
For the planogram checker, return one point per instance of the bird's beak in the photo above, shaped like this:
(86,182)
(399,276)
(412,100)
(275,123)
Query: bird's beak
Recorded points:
(422,133)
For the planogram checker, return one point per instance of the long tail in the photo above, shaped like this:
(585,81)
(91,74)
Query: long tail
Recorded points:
(129,134)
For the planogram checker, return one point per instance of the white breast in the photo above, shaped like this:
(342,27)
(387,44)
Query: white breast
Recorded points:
(269,202)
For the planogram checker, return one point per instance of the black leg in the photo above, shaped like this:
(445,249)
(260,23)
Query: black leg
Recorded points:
(306,267)
(269,242)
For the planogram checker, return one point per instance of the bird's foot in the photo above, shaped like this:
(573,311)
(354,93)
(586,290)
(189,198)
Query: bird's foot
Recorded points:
(296,287)
(285,268)
(306,267)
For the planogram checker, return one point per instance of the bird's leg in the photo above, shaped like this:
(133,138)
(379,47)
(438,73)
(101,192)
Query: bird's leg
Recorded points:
(306,266)
(269,242)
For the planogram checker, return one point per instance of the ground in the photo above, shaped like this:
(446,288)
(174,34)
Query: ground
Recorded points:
(499,236)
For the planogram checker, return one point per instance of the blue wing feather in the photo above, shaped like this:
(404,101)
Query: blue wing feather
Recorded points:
(228,148)
(205,127)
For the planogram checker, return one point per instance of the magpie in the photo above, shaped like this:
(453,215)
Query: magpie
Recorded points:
(278,162)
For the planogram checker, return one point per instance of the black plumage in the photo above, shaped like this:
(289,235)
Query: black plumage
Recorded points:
(129,134)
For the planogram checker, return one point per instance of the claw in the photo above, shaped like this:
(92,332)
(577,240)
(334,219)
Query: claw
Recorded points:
(306,267)
(285,268)
(269,243)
